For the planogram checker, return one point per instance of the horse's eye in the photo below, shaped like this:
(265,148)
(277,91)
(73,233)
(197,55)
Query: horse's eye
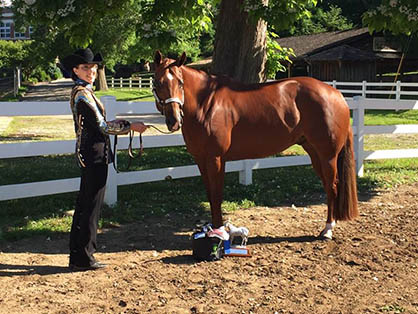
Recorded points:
(157,83)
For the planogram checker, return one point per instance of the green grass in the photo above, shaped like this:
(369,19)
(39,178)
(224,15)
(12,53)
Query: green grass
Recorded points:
(390,141)
(121,94)
(126,94)
(390,117)
(392,308)
(48,215)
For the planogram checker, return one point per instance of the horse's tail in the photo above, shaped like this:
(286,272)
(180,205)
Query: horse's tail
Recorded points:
(346,202)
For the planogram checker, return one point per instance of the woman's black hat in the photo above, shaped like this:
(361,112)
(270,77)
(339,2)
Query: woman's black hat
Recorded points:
(81,56)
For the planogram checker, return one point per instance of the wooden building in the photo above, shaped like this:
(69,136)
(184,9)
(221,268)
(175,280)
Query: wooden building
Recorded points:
(351,56)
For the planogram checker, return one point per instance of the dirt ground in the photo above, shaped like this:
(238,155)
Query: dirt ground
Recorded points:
(369,267)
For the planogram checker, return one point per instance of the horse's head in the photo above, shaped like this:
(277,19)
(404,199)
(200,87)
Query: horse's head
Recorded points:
(168,89)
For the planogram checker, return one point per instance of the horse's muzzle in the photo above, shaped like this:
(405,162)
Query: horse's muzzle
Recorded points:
(174,118)
(173,124)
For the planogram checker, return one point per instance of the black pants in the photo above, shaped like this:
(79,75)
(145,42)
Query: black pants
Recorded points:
(86,215)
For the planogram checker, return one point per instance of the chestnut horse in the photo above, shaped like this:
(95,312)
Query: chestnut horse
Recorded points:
(224,120)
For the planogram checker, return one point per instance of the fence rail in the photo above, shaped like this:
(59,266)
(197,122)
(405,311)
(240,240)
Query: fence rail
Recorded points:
(396,90)
(6,82)
(244,167)
(132,82)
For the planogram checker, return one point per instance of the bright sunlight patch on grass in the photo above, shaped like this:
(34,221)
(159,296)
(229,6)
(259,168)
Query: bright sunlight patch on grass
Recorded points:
(390,117)
(126,94)
(392,172)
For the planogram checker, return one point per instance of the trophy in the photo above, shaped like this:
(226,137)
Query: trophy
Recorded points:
(231,249)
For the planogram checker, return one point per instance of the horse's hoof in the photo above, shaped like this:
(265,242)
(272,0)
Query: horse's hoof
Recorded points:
(324,238)
(325,235)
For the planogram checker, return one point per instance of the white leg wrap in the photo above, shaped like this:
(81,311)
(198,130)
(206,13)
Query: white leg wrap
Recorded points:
(327,232)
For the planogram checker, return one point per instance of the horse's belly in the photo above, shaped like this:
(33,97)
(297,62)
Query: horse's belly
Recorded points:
(257,146)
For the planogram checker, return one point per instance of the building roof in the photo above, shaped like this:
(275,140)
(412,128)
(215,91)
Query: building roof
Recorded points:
(310,44)
(342,53)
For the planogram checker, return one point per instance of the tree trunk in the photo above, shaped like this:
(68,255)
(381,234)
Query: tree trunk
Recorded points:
(101,83)
(240,44)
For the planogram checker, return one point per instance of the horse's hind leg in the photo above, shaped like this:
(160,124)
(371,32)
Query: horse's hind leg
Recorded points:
(327,172)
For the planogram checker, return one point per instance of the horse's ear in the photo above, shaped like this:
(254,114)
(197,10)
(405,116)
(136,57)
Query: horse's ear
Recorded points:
(182,59)
(158,57)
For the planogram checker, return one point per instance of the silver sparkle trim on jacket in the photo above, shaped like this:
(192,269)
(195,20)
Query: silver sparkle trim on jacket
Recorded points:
(82,95)
(113,127)
(101,122)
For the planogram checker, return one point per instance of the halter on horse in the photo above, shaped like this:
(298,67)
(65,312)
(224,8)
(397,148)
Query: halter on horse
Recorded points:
(224,120)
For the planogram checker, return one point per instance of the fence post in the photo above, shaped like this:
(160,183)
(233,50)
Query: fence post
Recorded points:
(130,83)
(139,82)
(334,83)
(358,122)
(111,194)
(363,89)
(113,82)
(398,90)
(246,175)
(120,82)
(16,81)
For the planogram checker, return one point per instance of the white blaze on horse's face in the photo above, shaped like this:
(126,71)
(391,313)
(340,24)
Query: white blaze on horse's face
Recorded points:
(170,77)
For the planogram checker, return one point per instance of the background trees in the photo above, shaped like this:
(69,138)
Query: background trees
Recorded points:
(396,16)
(235,31)
(124,31)
(135,29)
(13,54)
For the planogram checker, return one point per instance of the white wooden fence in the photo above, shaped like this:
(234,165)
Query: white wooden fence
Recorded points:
(245,167)
(396,90)
(132,82)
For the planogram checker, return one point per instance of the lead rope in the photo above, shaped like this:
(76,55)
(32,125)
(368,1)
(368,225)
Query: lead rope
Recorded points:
(130,148)
(161,131)
(115,143)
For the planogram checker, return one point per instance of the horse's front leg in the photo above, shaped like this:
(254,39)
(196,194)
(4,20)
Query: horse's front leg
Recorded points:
(215,167)
(201,163)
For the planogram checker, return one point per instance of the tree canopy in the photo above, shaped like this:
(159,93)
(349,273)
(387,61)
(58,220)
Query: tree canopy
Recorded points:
(126,31)
(396,16)
(116,27)
(13,54)
(143,25)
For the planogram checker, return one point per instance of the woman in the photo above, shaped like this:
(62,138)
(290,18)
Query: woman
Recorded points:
(93,155)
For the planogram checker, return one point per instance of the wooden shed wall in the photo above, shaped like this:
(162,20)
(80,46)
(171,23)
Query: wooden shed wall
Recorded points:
(347,71)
